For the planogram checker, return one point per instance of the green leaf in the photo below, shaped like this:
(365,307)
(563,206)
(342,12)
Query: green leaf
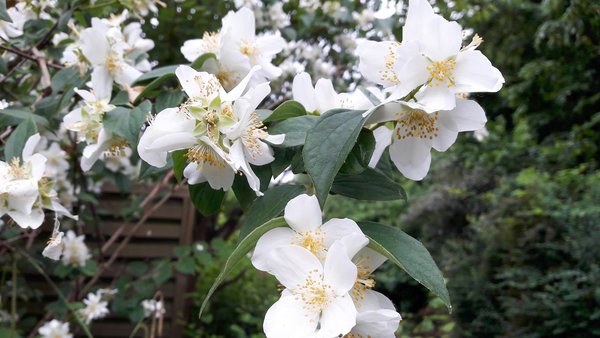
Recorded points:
(16,142)
(286,110)
(243,247)
(243,193)
(206,199)
(186,265)
(283,159)
(361,153)
(199,62)
(268,206)
(121,99)
(409,254)
(370,185)
(156,73)
(295,130)
(4,14)
(11,116)
(168,99)
(179,163)
(149,89)
(327,146)
(127,123)
(147,171)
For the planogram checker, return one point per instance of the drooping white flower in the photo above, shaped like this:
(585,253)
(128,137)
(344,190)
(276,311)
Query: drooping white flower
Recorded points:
(104,48)
(318,99)
(24,192)
(248,135)
(303,215)
(316,295)
(417,131)
(95,307)
(55,329)
(153,307)
(54,249)
(75,252)
(430,56)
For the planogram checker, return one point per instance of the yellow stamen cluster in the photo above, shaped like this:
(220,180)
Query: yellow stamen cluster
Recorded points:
(253,134)
(117,149)
(113,64)
(202,154)
(315,294)
(249,49)
(364,279)
(211,42)
(442,72)
(417,123)
(389,74)
(19,171)
(313,241)
(209,86)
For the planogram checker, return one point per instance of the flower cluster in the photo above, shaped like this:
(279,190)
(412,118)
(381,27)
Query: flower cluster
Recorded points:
(96,305)
(221,130)
(427,78)
(327,272)
(25,189)
(237,49)
(153,308)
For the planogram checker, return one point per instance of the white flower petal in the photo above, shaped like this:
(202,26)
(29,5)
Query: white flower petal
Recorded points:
(468,115)
(338,228)
(339,317)
(437,97)
(369,258)
(270,240)
(475,73)
(303,213)
(32,220)
(292,265)
(288,318)
(339,271)
(325,95)
(383,138)
(447,132)
(412,157)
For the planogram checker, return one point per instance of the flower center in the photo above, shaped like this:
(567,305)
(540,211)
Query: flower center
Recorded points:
(417,123)
(315,294)
(253,134)
(211,41)
(113,64)
(442,72)
(312,241)
(209,87)
(388,74)
(117,148)
(364,279)
(204,154)
(249,49)
(19,171)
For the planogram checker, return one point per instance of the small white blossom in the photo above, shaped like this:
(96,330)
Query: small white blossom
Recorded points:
(153,307)
(95,307)
(55,329)
(75,252)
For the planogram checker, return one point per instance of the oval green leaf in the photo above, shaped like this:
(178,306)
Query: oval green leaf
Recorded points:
(327,146)
(409,254)
(286,110)
(294,129)
(16,142)
(243,247)
(370,185)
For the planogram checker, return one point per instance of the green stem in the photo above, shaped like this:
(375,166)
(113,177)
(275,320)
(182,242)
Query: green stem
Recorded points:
(140,325)
(58,292)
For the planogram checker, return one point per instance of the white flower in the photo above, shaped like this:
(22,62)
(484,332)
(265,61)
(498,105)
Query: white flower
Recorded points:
(19,14)
(209,126)
(429,56)
(364,18)
(316,294)
(239,44)
(153,307)
(248,136)
(144,7)
(55,247)
(75,252)
(95,307)
(417,131)
(103,47)
(278,17)
(318,99)
(376,317)
(481,134)
(55,329)
(303,215)
(383,138)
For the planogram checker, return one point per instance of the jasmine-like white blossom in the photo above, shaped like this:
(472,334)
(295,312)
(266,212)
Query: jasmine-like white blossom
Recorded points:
(417,131)
(303,215)
(19,14)
(153,308)
(95,307)
(55,329)
(376,317)
(75,252)
(316,299)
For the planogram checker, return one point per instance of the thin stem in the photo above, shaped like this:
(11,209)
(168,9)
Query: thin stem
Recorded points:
(140,325)
(30,57)
(57,290)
